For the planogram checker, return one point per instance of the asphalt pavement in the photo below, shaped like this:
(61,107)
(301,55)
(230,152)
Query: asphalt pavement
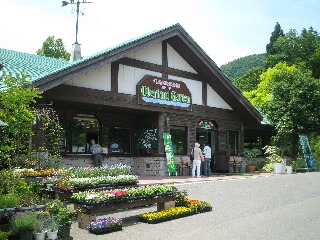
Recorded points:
(258,206)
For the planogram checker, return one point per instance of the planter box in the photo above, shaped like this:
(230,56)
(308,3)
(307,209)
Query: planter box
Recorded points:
(107,230)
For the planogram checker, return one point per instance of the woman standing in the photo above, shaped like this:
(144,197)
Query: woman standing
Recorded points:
(198,157)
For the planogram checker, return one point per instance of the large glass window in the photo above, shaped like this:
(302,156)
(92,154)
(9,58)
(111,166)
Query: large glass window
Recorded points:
(179,139)
(116,139)
(233,143)
(84,127)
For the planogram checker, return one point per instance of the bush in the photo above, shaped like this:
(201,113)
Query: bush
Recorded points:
(9,200)
(24,222)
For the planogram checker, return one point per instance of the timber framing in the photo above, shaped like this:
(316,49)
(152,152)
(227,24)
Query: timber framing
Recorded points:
(182,43)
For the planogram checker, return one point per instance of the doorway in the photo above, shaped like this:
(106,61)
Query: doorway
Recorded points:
(206,131)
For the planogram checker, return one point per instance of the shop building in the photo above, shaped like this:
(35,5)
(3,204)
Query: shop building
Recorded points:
(126,97)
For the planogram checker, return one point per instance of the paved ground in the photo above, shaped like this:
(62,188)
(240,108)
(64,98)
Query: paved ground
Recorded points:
(262,206)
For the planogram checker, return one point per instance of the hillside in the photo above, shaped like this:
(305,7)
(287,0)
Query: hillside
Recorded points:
(240,66)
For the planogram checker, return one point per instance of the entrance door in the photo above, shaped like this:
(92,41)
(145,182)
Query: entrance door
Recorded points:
(210,136)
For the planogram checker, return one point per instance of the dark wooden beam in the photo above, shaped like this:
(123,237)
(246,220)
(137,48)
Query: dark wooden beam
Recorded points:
(164,59)
(204,93)
(114,76)
(157,68)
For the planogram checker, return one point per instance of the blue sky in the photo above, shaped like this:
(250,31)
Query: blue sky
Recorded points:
(225,29)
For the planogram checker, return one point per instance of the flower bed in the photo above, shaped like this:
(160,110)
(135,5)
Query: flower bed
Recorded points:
(166,215)
(105,225)
(190,207)
(101,198)
(68,184)
(39,173)
(89,172)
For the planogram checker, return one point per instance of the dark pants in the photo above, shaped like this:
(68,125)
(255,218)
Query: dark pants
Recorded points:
(97,158)
(207,169)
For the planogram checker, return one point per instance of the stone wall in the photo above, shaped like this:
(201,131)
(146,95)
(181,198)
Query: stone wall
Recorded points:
(143,166)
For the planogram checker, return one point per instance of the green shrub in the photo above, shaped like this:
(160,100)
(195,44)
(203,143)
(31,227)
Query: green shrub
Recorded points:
(24,222)
(4,235)
(9,200)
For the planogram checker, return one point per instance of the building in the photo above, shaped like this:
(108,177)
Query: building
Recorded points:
(126,97)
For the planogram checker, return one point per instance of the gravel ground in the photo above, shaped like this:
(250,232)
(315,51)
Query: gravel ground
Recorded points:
(253,207)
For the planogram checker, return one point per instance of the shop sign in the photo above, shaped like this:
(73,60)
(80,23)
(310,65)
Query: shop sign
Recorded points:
(158,91)
(205,124)
(169,152)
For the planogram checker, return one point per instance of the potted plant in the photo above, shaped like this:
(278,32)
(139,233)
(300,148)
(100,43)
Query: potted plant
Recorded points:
(23,225)
(63,216)
(260,166)
(52,229)
(274,157)
(39,232)
(250,154)
(289,166)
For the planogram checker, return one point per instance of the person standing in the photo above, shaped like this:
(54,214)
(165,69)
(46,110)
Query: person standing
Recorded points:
(207,160)
(198,157)
(96,150)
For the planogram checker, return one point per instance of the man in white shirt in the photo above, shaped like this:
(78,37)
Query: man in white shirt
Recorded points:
(207,160)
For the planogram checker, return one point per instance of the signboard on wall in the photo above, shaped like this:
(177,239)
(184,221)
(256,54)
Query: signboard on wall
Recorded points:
(145,139)
(169,152)
(157,91)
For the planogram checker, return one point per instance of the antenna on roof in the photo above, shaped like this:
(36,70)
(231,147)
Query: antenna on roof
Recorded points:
(65,3)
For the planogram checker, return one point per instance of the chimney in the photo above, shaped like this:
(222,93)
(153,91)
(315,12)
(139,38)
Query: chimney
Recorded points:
(75,52)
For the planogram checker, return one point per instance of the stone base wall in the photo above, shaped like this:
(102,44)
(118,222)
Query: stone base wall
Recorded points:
(143,166)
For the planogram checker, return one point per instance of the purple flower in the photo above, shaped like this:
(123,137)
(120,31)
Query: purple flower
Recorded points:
(105,223)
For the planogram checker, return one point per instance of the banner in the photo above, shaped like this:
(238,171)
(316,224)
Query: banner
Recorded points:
(169,152)
(307,151)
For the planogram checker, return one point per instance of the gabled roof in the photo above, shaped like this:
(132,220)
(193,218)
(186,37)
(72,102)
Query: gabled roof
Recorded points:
(14,63)
(48,73)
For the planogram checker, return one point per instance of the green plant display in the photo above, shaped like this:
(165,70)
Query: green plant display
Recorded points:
(24,222)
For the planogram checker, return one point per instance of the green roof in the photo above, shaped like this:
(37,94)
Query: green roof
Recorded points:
(14,63)
(38,67)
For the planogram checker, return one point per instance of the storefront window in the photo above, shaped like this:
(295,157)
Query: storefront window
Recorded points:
(84,128)
(179,139)
(116,139)
(233,143)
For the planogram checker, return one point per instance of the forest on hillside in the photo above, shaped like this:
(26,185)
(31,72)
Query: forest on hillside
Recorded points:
(240,66)
(284,85)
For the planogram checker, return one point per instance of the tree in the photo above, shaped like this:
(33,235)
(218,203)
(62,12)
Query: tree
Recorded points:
(301,50)
(16,110)
(29,131)
(278,32)
(289,98)
(54,48)
(240,66)
(250,80)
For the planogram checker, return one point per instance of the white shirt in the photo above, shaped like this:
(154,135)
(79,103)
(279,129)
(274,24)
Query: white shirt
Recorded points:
(207,152)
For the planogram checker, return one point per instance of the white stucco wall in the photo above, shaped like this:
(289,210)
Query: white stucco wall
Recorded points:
(195,87)
(129,78)
(152,54)
(214,100)
(177,62)
(99,79)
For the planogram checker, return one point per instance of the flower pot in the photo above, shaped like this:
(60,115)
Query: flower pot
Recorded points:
(25,236)
(52,235)
(252,168)
(289,169)
(277,168)
(39,235)
(64,231)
